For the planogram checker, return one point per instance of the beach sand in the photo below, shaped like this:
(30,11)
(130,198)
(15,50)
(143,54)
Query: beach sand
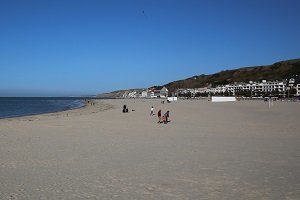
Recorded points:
(237,150)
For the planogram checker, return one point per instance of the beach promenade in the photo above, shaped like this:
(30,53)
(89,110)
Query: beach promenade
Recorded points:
(237,150)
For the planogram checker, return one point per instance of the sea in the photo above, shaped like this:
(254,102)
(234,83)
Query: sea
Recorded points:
(24,106)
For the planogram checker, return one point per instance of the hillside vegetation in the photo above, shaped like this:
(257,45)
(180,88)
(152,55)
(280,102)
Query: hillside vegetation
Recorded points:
(277,71)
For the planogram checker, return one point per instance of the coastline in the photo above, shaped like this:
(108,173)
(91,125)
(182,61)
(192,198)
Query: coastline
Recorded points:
(82,110)
(239,150)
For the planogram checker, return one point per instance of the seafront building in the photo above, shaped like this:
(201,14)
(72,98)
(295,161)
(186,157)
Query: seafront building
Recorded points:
(147,93)
(254,88)
(277,88)
(298,90)
(164,92)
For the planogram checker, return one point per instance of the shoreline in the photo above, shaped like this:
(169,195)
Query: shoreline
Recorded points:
(82,110)
(100,106)
(45,113)
(236,150)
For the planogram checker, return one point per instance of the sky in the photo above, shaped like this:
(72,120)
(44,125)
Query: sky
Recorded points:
(86,47)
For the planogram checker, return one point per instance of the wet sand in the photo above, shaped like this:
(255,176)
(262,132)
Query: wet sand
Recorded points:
(239,150)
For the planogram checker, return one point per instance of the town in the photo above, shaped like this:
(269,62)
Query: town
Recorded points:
(287,88)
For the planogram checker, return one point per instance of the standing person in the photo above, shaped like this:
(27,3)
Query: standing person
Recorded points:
(166,116)
(159,116)
(152,110)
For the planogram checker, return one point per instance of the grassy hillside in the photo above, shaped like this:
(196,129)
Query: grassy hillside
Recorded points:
(277,71)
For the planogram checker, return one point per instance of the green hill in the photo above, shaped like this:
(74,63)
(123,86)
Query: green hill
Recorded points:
(277,71)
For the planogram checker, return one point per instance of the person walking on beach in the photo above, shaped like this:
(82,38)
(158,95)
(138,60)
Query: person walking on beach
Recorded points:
(166,116)
(152,110)
(159,116)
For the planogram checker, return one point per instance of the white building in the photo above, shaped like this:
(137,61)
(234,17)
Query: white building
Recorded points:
(298,90)
(201,90)
(291,82)
(132,94)
(164,92)
(154,93)
(220,89)
(255,87)
(145,94)
(264,86)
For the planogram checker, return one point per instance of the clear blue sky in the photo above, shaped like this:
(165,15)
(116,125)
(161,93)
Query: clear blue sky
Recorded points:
(61,48)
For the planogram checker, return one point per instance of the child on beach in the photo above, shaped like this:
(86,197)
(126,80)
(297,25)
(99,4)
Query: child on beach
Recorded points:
(152,110)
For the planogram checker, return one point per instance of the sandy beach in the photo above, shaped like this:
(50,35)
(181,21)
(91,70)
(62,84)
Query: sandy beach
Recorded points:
(239,150)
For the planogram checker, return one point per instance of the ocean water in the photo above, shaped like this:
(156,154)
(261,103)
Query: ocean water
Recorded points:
(19,106)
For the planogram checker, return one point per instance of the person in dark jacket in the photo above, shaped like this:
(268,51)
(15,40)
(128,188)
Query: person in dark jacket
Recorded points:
(159,116)
(166,117)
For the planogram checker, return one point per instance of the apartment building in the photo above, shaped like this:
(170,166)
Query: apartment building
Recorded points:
(255,87)
(298,90)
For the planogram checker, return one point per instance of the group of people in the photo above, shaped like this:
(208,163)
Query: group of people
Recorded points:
(161,118)
(89,102)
